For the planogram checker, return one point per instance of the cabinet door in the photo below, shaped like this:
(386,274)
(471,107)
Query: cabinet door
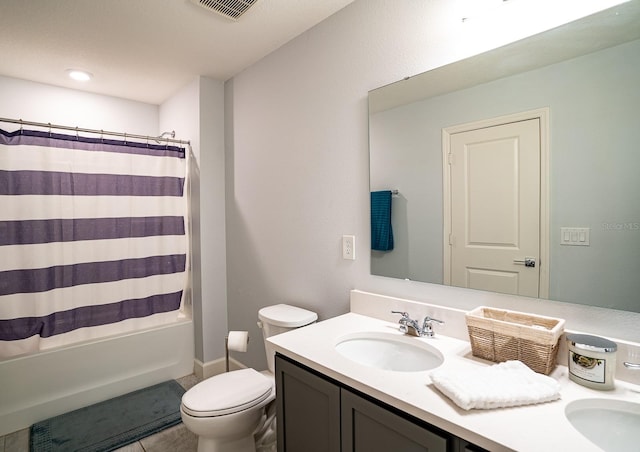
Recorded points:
(367,427)
(308,410)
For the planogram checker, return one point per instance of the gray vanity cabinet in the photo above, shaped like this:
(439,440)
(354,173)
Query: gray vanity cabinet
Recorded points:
(369,427)
(316,413)
(307,409)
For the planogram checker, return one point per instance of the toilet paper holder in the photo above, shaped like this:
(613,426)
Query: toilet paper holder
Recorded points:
(236,341)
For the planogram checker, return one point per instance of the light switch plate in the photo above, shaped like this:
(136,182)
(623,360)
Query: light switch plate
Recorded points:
(574,236)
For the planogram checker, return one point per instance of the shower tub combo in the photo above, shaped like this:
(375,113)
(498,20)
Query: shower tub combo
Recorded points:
(44,384)
(94,275)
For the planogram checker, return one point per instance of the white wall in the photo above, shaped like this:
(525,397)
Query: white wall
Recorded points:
(21,99)
(297,159)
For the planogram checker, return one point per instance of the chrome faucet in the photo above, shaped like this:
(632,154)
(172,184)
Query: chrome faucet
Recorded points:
(413,328)
(408,325)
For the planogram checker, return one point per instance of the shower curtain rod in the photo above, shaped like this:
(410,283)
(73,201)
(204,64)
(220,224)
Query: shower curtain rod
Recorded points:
(95,131)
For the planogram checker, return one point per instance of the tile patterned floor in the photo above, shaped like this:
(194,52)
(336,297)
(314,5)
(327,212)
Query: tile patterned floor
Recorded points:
(173,439)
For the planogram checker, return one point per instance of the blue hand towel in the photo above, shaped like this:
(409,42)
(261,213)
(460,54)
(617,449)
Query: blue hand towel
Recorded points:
(381,231)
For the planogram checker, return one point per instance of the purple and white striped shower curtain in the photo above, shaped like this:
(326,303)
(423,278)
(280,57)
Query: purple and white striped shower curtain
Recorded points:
(92,238)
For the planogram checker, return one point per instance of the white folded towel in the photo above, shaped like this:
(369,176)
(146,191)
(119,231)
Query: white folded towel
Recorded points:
(507,384)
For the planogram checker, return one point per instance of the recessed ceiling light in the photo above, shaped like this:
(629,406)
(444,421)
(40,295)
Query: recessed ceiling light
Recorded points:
(81,76)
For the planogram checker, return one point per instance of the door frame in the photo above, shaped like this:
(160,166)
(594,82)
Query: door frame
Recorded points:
(542,114)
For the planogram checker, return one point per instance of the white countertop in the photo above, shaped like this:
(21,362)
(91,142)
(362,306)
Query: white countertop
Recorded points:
(525,428)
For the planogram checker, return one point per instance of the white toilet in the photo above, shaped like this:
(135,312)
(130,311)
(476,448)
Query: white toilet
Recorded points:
(227,409)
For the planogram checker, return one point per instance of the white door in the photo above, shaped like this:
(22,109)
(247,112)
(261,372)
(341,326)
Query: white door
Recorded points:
(495,208)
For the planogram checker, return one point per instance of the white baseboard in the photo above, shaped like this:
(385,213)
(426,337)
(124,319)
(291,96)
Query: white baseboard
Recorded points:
(211,368)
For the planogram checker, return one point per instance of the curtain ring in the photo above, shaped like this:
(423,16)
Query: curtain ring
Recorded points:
(77,136)
(49,130)
(101,136)
(21,129)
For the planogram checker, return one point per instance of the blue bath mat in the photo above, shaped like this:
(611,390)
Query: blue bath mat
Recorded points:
(111,424)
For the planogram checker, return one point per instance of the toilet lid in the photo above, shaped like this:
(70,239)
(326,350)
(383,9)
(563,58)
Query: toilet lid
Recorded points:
(287,316)
(227,393)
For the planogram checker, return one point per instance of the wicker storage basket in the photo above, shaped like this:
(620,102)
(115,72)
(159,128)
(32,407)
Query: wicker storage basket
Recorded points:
(499,335)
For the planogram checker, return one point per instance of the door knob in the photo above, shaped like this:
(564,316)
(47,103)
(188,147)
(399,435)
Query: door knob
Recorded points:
(527,261)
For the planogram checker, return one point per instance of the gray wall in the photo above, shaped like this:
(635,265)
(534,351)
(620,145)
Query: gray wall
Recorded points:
(297,164)
(196,112)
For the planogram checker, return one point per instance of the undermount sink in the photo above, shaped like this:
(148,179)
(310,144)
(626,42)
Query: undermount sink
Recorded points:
(389,352)
(612,425)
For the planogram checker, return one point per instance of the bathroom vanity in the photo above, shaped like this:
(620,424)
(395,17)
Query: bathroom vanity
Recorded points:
(318,413)
(327,401)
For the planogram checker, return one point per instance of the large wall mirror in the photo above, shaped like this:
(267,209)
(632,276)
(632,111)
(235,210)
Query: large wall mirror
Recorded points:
(586,76)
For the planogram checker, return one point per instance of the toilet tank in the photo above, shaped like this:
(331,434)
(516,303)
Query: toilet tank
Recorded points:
(278,319)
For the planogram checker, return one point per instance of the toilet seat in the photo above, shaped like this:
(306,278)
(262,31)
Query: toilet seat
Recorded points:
(227,393)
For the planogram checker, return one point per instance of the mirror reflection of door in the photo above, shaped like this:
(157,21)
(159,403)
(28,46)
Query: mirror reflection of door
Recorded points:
(494,205)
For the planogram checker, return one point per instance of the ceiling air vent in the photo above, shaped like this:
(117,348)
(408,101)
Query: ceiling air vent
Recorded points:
(231,9)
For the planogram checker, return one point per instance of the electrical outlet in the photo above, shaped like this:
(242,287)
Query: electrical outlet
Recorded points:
(349,247)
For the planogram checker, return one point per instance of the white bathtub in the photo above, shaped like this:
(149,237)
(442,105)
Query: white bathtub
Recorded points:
(38,386)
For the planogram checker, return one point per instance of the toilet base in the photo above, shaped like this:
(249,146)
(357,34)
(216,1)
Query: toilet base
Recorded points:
(228,433)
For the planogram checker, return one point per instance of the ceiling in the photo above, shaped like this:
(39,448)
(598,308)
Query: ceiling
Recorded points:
(144,50)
